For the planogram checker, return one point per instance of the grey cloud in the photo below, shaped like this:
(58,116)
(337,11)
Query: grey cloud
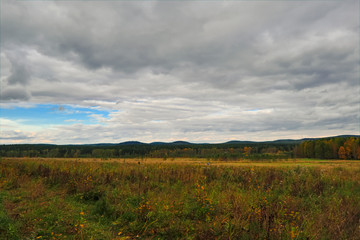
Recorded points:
(165,36)
(15,94)
(161,35)
(20,72)
(14,135)
(169,68)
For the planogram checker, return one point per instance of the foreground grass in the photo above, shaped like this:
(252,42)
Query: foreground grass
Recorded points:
(52,199)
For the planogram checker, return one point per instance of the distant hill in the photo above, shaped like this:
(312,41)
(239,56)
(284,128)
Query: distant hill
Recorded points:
(238,142)
(100,144)
(179,143)
(159,143)
(233,142)
(132,143)
(287,141)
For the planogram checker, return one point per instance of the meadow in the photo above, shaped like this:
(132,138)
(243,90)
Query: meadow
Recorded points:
(179,199)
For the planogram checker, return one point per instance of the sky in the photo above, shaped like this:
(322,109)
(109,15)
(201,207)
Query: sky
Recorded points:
(78,72)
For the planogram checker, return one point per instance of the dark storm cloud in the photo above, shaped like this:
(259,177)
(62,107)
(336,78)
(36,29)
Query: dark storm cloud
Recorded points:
(168,68)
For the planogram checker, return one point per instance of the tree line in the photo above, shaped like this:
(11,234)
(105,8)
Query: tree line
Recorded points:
(329,148)
(325,148)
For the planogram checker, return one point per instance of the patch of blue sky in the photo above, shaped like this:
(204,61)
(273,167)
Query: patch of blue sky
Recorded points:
(253,110)
(51,114)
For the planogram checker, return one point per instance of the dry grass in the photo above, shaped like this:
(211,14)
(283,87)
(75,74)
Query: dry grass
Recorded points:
(178,199)
(349,164)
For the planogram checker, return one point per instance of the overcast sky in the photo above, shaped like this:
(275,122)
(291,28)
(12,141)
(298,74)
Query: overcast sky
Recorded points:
(200,71)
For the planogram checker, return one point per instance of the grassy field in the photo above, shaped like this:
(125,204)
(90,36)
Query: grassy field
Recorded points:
(204,162)
(179,199)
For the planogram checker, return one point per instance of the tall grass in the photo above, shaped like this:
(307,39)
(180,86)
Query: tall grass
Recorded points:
(77,200)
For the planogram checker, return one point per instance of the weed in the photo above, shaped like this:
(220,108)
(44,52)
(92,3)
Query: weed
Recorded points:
(125,200)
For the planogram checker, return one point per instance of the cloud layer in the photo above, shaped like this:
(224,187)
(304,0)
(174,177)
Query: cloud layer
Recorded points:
(197,71)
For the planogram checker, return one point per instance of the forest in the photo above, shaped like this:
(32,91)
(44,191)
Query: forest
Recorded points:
(340,147)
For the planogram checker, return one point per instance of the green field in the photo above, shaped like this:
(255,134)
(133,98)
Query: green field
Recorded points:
(179,199)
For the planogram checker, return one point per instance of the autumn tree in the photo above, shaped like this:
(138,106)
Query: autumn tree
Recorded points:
(247,150)
(342,153)
(351,146)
